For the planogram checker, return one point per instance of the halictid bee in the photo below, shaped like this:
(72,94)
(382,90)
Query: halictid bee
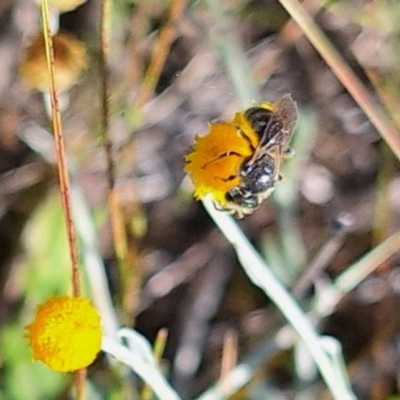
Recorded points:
(273,124)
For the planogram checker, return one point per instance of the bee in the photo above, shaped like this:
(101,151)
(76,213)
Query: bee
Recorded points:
(273,124)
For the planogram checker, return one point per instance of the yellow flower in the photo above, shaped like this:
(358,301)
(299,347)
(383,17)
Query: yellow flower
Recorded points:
(70,59)
(214,163)
(66,333)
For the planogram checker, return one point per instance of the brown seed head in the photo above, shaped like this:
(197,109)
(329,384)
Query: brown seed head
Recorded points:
(70,60)
(65,5)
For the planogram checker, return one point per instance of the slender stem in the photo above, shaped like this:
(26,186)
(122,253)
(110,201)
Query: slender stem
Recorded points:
(261,275)
(345,74)
(159,347)
(160,53)
(352,277)
(104,48)
(319,263)
(79,382)
(237,67)
(62,168)
(143,368)
(229,357)
(114,207)
(118,230)
(63,177)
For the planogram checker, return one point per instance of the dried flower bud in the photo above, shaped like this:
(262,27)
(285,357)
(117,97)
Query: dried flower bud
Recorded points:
(65,5)
(70,60)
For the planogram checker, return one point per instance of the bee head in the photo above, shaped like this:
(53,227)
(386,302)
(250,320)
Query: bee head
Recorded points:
(243,197)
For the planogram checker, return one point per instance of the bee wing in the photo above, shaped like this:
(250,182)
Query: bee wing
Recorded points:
(279,129)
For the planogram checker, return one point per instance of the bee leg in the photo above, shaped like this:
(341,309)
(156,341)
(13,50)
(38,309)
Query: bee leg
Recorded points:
(218,206)
(238,213)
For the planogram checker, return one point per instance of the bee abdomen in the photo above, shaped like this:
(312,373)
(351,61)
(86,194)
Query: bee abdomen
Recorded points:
(258,118)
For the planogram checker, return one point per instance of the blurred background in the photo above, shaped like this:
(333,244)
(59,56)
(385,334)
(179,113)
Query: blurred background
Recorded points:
(341,187)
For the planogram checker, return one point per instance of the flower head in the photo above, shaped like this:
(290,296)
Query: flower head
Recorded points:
(238,163)
(70,59)
(66,333)
(65,5)
(215,160)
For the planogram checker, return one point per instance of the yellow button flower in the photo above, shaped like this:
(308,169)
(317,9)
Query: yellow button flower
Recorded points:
(66,333)
(215,160)
(238,162)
